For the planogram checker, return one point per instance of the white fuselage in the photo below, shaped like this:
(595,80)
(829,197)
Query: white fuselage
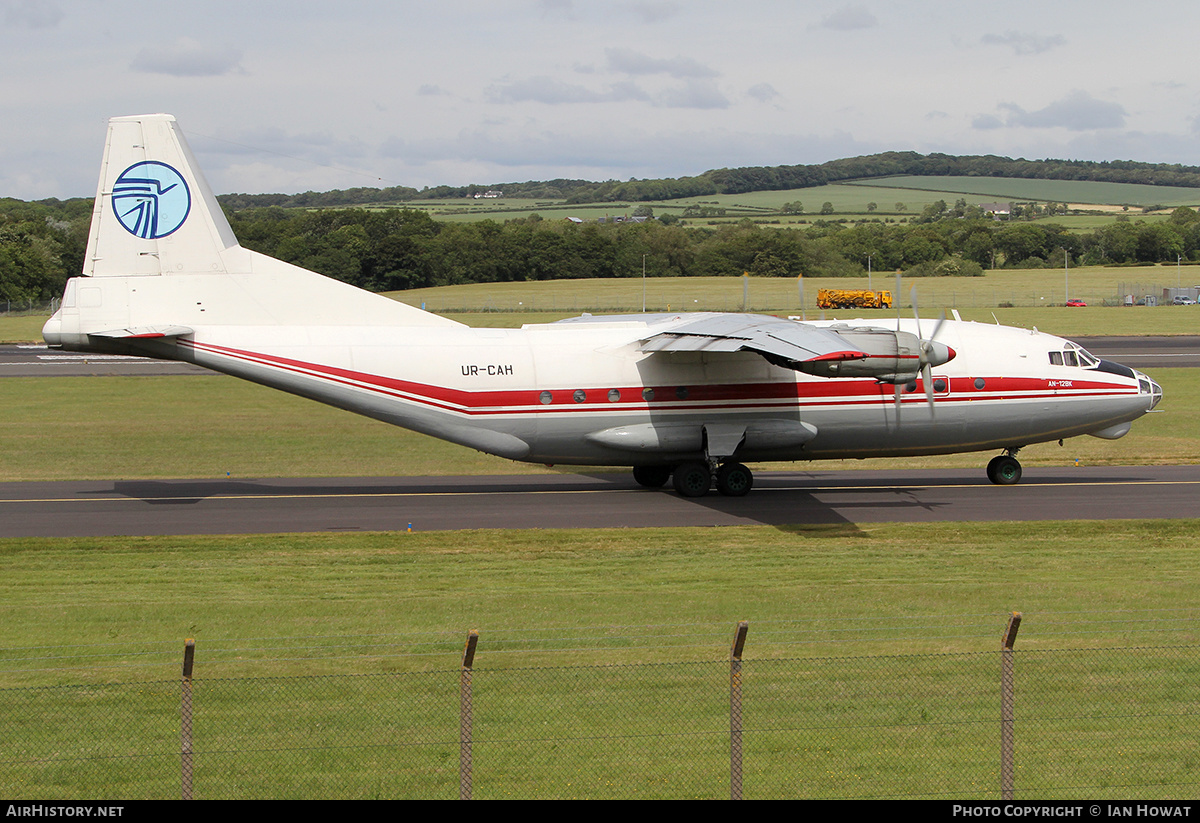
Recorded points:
(543,393)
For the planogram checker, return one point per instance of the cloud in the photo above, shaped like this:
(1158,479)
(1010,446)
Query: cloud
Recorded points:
(557,8)
(654,11)
(629,61)
(33,14)
(762,92)
(188,58)
(987,121)
(553,92)
(694,94)
(849,18)
(1023,42)
(1078,111)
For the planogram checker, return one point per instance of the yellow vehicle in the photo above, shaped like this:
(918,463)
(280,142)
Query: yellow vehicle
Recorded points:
(853,299)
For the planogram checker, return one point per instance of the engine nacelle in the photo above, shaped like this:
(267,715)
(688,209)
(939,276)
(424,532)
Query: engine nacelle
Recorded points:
(892,356)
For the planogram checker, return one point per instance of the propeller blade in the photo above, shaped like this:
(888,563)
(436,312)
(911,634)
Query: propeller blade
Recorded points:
(927,379)
(916,313)
(897,299)
(937,327)
(932,353)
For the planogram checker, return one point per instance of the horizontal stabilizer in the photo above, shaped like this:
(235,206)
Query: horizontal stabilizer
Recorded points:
(144,332)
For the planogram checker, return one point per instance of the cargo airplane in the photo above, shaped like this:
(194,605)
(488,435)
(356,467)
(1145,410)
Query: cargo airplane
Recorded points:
(688,397)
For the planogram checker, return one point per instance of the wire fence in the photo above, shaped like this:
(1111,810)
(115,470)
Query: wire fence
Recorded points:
(21,308)
(1062,723)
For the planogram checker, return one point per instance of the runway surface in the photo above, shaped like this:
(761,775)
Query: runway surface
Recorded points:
(39,361)
(181,507)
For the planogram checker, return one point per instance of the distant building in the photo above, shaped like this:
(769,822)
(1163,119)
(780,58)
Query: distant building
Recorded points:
(996,210)
(623,218)
(494,193)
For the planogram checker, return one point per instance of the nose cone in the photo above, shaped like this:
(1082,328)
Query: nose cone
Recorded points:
(1150,388)
(937,354)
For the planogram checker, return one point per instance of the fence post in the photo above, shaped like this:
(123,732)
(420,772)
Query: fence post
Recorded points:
(1006,706)
(735,711)
(464,717)
(185,720)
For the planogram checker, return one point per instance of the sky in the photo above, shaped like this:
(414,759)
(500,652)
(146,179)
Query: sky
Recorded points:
(300,95)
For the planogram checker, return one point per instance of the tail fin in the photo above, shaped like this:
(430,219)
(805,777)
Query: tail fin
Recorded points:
(163,261)
(154,212)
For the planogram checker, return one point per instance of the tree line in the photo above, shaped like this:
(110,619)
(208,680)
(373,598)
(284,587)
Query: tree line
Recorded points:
(402,249)
(43,243)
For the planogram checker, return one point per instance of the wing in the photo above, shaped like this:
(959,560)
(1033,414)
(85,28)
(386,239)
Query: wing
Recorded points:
(782,342)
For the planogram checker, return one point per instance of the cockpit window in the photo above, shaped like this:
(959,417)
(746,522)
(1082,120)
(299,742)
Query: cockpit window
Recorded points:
(1073,357)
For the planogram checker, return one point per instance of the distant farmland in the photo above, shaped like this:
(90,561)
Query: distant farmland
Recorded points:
(1058,191)
(846,198)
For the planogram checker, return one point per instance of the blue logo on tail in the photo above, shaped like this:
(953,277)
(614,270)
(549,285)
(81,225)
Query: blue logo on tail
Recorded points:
(151,199)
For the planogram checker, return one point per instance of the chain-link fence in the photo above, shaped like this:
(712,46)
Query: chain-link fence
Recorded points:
(1045,724)
(18,308)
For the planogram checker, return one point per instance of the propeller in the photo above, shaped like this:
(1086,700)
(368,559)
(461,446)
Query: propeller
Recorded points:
(930,353)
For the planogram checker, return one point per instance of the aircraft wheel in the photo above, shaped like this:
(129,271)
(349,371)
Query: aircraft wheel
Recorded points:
(1004,470)
(734,480)
(692,479)
(652,477)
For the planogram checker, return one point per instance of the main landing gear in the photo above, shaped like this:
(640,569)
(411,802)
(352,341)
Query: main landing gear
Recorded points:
(1004,470)
(694,479)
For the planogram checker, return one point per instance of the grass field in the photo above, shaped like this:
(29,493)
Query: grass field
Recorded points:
(1019,297)
(119,609)
(1082,192)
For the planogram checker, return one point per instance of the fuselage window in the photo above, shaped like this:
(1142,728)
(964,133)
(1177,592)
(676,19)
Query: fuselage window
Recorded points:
(1056,358)
(545,398)
(1070,358)
(613,395)
(647,394)
(579,396)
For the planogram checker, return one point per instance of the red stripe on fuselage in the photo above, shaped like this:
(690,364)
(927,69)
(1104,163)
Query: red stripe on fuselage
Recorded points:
(729,396)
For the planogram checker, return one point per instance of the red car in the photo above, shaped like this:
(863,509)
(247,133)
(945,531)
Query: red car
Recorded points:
(1076,303)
